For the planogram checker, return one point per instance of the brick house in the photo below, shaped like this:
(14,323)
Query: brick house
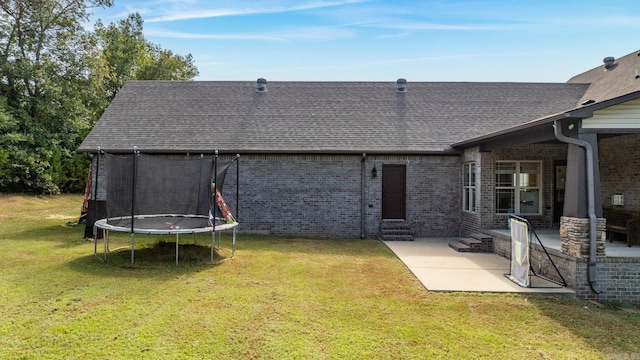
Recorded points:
(343,159)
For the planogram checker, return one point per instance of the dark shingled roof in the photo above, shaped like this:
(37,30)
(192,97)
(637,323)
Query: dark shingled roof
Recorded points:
(318,117)
(610,83)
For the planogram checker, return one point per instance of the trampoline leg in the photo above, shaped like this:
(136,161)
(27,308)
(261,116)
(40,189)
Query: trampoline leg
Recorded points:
(233,247)
(133,243)
(213,242)
(105,243)
(95,241)
(177,244)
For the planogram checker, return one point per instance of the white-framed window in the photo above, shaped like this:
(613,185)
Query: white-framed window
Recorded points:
(469,187)
(518,187)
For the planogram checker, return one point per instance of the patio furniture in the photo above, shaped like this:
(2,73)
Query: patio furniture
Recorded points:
(625,222)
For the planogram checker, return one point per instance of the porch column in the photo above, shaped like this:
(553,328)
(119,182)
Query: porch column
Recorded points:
(575,193)
(574,224)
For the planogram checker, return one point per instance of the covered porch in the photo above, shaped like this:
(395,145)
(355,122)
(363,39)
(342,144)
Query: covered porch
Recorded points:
(598,146)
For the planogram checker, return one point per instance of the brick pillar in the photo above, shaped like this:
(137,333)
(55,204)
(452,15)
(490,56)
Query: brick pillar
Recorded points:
(574,234)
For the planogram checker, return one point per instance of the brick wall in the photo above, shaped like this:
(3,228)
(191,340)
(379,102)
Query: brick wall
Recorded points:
(433,194)
(620,169)
(320,195)
(485,217)
(617,277)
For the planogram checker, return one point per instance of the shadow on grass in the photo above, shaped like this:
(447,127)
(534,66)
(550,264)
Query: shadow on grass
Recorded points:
(65,234)
(155,260)
(601,326)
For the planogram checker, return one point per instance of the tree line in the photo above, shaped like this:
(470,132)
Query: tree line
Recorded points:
(56,80)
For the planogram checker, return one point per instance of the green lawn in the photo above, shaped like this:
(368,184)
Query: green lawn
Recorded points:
(278,298)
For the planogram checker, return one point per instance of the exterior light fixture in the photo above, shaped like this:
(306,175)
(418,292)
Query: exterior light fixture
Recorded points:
(374,172)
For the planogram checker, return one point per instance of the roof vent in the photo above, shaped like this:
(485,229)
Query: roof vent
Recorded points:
(402,85)
(262,85)
(609,62)
(590,101)
(637,74)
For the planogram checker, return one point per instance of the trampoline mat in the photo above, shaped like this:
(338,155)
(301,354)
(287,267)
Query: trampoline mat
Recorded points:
(159,222)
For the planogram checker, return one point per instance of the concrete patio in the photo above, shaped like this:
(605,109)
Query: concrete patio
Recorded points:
(441,268)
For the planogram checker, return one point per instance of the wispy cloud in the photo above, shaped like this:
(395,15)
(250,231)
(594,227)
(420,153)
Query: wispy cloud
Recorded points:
(427,25)
(306,33)
(203,13)
(393,36)
(186,35)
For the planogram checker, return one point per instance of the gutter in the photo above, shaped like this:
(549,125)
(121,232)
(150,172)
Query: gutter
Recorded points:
(443,152)
(363,179)
(591,273)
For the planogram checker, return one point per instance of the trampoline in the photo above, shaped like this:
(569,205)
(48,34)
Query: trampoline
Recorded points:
(165,224)
(154,195)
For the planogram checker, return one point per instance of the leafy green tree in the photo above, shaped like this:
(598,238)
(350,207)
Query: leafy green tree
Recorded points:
(122,44)
(161,64)
(56,79)
(129,56)
(44,69)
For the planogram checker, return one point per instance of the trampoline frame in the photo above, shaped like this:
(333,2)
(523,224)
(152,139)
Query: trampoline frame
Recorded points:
(106,228)
(215,229)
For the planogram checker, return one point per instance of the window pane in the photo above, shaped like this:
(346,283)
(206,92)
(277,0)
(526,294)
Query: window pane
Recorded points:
(466,199)
(529,174)
(472,179)
(505,174)
(466,174)
(469,183)
(505,200)
(530,201)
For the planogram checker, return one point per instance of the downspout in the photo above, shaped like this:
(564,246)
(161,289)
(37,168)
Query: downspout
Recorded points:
(591,195)
(363,179)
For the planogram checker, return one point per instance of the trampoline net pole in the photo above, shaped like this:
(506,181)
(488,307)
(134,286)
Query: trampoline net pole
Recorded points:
(215,190)
(95,206)
(133,187)
(133,200)
(215,205)
(237,187)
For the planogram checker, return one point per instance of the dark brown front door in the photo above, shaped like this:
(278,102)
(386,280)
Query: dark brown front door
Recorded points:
(393,191)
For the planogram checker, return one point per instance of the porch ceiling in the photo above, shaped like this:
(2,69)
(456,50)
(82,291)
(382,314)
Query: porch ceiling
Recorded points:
(539,131)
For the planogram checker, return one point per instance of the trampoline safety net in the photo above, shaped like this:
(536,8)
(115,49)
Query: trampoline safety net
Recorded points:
(141,184)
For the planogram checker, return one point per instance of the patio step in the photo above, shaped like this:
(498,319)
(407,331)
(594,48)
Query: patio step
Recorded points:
(395,231)
(476,243)
(460,247)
